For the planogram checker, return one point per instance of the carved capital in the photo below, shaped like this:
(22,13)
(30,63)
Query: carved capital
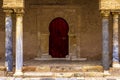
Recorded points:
(19,11)
(105,13)
(115,14)
(8,11)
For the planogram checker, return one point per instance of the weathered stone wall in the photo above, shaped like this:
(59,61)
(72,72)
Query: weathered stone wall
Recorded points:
(85,18)
(2,34)
(91,30)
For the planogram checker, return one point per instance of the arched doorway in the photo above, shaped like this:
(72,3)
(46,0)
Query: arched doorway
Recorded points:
(58,38)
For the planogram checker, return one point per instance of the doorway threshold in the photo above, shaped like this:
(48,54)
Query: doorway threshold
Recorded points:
(73,59)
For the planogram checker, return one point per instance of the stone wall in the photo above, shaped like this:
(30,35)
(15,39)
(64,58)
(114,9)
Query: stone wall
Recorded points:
(81,15)
(2,34)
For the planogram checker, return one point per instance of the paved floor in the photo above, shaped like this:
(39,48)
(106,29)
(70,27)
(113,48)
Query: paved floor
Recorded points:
(33,62)
(63,63)
(60,62)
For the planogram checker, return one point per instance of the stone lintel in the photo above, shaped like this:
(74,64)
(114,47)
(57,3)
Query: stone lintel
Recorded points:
(13,4)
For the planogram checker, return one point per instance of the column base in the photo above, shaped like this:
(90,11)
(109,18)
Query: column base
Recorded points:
(106,73)
(116,65)
(18,73)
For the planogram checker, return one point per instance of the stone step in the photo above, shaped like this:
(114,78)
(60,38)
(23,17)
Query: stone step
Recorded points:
(94,74)
(63,71)
(115,71)
(38,74)
(63,74)
(63,68)
(96,68)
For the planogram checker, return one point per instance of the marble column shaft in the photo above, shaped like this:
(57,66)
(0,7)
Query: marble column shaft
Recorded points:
(115,38)
(105,37)
(19,43)
(8,41)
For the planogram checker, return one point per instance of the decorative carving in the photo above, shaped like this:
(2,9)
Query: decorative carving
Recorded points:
(13,3)
(115,14)
(19,10)
(8,11)
(109,4)
(105,13)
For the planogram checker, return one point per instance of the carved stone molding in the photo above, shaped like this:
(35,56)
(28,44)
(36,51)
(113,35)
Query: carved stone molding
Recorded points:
(13,4)
(109,4)
(105,13)
(8,11)
(115,14)
(19,10)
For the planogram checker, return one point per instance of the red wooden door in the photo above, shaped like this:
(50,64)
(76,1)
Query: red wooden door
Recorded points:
(58,38)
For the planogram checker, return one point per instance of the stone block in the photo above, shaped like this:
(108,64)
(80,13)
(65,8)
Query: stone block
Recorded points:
(93,68)
(9,74)
(43,69)
(29,68)
(38,74)
(76,69)
(61,68)
(66,79)
(94,78)
(2,73)
(64,74)
(93,74)
(47,79)
(80,74)
(115,71)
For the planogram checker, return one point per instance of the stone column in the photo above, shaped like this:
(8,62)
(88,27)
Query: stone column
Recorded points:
(19,42)
(8,41)
(115,40)
(105,37)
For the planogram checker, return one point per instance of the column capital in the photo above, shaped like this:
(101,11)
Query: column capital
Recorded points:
(8,11)
(105,13)
(115,14)
(19,10)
